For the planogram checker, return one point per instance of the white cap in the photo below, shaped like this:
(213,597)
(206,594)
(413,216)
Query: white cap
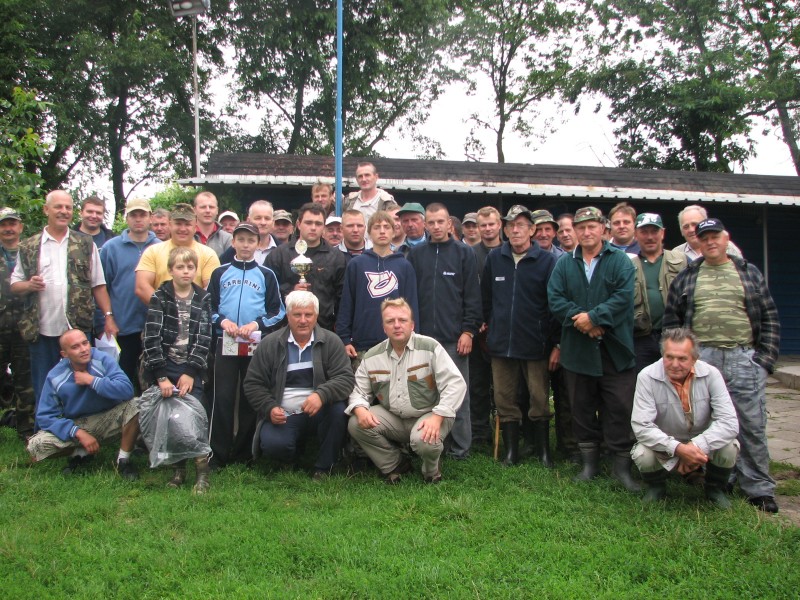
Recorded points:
(229,213)
(333,219)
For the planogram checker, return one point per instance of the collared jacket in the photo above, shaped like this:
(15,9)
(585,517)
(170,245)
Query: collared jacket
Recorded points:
(658,420)
(265,382)
(433,381)
(80,299)
(326,276)
(672,264)
(161,330)
(244,292)
(63,400)
(448,290)
(384,200)
(515,303)
(759,305)
(219,240)
(608,299)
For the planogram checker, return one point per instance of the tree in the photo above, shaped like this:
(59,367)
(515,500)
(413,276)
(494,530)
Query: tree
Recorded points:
(393,68)
(521,47)
(21,149)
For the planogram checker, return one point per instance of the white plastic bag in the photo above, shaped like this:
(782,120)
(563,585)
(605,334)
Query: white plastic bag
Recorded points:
(173,428)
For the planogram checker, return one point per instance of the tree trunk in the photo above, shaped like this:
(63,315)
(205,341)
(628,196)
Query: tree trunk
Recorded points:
(789,133)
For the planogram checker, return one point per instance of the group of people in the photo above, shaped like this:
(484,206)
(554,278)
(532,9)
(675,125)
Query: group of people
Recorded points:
(400,337)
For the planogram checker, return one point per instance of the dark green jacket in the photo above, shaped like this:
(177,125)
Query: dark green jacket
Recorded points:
(609,301)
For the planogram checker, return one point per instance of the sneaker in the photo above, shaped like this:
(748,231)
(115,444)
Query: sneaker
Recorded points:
(127,470)
(764,503)
(76,463)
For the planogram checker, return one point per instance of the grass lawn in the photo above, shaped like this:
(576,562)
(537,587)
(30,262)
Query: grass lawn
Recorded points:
(485,532)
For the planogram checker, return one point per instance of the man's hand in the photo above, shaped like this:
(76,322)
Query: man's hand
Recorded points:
(245,331)
(351,351)
(277,416)
(312,404)
(691,457)
(229,327)
(366,420)
(36,284)
(185,384)
(582,322)
(88,441)
(83,378)
(596,332)
(555,357)
(166,387)
(430,428)
(302,287)
(464,345)
(111,329)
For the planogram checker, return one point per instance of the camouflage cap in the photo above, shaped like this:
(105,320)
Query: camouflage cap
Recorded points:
(518,211)
(182,212)
(543,216)
(282,215)
(9,213)
(470,218)
(645,219)
(588,213)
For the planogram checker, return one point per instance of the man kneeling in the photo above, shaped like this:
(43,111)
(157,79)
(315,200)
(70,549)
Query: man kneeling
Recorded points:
(418,388)
(299,380)
(86,399)
(683,418)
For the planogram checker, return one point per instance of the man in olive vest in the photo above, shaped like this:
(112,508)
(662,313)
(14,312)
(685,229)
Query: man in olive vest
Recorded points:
(60,277)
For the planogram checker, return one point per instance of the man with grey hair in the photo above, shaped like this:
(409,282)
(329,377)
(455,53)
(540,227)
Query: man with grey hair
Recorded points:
(683,419)
(688,219)
(298,382)
(261,214)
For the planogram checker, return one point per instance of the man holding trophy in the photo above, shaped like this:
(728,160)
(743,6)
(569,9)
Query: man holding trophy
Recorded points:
(311,264)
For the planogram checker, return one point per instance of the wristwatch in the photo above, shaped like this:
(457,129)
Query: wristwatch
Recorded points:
(109,314)
(163,379)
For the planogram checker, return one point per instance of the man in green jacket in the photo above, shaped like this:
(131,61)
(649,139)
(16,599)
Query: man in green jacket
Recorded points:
(591,294)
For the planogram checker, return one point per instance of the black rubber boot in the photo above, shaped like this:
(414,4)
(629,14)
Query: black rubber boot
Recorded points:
(590,457)
(529,447)
(656,484)
(201,483)
(541,436)
(621,471)
(178,475)
(510,433)
(716,484)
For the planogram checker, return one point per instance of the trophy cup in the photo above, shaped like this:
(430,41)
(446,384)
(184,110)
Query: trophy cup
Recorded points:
(302,264)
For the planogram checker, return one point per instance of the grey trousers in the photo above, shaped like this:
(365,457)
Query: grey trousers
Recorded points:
(746,382)
(461,432)
(382,443)
(649,461)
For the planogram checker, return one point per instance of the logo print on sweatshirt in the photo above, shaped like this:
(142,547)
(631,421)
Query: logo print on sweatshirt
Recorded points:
(381,284)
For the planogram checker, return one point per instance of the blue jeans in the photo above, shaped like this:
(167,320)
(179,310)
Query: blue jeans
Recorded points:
(461,433)
(746,382)
(279,442)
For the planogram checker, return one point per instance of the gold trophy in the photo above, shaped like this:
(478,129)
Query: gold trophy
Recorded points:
(302,264)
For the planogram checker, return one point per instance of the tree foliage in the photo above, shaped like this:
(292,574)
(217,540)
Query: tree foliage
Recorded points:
(393,69)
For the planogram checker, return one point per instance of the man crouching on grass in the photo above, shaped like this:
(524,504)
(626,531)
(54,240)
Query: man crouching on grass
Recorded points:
(418,388)
(86,399)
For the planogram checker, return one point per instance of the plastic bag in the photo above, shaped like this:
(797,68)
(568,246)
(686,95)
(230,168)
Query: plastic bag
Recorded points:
(173,428)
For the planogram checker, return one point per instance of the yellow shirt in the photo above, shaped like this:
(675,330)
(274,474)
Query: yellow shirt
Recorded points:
(154,260)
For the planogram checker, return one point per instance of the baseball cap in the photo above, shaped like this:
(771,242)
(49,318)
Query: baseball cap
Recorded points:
(653,219)
(282,215)
(137,204)
(709,225)
(588,213)
(333,219)
(412,207)
(9,213)
(470,218)
(245,226)
(516,211)
(229,213)
(543,216)
(182,212)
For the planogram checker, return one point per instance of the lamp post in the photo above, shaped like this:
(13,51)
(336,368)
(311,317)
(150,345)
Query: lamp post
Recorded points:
(192,8)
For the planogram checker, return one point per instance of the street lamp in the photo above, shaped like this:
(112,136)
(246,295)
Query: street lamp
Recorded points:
(192,8)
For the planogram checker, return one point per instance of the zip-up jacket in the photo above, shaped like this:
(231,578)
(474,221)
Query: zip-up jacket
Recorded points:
(369,280)
(515,303)
(448,290)
(161,330)
(63,400)
(758,303)
(219,240)
(244,292)
(608,299)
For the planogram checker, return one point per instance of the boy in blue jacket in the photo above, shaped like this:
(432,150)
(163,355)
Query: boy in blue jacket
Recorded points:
(245,298)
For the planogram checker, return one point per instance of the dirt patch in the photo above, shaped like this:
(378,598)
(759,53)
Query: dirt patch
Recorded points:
(787,474)
(789,509)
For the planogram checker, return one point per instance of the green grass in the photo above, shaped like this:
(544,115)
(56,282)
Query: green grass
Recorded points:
(485,532)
